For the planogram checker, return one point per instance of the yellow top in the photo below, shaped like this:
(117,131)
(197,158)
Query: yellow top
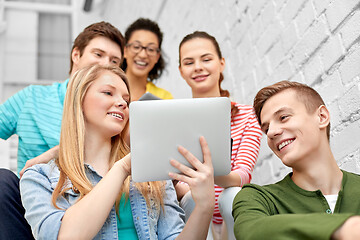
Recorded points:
(159,92)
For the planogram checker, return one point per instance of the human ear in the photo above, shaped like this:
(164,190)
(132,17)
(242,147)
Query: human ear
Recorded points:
(324,116)
(75,55)
(222,63)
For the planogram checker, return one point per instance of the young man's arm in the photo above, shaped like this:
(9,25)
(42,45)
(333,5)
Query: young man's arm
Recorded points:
(254,219)
(10,111)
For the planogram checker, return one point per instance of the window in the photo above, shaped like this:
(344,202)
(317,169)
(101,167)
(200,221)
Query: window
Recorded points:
(35,42)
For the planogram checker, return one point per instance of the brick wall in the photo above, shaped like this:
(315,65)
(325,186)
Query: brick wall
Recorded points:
(311,41)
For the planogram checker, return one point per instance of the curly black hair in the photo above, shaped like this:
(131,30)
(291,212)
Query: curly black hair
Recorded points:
(149,25)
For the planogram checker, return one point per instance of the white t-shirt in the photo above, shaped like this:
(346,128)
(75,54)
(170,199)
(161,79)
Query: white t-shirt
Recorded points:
(331,199)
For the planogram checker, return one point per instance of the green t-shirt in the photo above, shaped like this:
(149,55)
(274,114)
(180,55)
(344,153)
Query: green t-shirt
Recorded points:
(125,223)
(284,211)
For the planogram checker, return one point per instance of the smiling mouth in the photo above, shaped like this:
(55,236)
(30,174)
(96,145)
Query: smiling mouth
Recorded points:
(141,63)
(116,115)
(285,143)
(200,78)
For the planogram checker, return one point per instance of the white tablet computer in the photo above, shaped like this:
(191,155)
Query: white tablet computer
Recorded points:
(157,128)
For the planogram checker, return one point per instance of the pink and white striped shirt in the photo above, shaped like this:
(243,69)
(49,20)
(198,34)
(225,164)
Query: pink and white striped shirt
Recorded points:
(246,135)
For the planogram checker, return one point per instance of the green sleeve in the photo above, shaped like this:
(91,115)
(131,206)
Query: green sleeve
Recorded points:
(254,219)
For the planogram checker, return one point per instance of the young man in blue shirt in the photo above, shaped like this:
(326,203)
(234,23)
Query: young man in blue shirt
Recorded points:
(35,113)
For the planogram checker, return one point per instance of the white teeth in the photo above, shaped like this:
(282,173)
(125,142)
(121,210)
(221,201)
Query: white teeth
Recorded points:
(283,144)
(141,63)
(116,115)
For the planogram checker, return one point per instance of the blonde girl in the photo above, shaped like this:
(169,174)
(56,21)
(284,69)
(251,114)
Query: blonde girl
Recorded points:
(87,192)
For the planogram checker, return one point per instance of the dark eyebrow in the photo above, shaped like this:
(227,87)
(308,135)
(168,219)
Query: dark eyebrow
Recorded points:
(188,58)
(97,49)
(282,109)
(109,85)
(102,51)
(138,42)
(204,55)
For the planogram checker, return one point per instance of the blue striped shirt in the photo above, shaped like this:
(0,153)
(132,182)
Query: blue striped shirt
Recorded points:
(34,114)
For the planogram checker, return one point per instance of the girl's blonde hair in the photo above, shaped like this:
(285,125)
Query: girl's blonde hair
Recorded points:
(71,160)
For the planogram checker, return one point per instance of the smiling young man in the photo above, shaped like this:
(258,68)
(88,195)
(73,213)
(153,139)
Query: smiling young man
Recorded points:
(35,114)
(316,200)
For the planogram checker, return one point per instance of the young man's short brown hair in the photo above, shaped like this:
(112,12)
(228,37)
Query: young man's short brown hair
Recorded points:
(100,29)
(307,95)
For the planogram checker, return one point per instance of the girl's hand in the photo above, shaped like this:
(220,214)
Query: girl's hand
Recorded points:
(200,179)
(125,163)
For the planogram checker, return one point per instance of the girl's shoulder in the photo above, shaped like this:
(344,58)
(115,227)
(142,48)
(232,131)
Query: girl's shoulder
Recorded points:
(242,110)
(158,91)
(242,107)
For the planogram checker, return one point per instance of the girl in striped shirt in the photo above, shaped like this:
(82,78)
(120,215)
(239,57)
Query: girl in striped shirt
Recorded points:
(201,65)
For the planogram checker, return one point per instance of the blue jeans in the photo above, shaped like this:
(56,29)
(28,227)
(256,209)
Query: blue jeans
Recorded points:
(13,225)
